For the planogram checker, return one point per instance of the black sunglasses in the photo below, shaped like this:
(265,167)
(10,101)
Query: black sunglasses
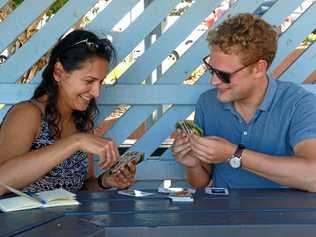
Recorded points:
(101,46)
(91,46)
(225,77)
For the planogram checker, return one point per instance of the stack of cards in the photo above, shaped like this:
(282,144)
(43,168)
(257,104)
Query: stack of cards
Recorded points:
(167,186)
(181,196)
(134,193)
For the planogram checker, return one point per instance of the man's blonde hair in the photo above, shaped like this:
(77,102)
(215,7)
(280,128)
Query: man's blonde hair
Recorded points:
(246,35)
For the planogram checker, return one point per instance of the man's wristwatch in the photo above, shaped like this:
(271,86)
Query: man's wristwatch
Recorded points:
(235,159)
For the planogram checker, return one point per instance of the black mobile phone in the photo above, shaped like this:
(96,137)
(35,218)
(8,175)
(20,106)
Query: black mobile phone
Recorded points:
(217,191)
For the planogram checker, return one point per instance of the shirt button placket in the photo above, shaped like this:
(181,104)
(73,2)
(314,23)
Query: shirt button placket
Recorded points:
(245,135)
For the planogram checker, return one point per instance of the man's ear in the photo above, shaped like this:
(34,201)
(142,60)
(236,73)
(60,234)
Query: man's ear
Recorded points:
(261,68)
(58,71)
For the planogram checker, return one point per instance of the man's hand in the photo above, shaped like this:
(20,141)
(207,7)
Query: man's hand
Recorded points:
(212,149)
(181,150)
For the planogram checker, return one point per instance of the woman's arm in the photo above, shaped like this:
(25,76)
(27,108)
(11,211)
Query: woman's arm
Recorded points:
(20,167)
(121,179)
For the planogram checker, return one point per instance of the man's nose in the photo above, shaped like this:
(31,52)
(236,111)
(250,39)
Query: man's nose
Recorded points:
(214,80)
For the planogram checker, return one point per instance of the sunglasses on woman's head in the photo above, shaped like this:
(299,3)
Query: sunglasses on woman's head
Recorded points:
(90,45)
(225,77)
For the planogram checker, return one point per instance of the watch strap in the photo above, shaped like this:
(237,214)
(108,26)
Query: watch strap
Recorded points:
(100,183)
(239,150)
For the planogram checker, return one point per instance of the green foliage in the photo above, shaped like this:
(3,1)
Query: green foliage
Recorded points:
(52,10)
(16,3)
(56,6)
(311,38)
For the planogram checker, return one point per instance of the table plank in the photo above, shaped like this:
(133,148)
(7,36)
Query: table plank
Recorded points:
(255,212)
(20,221)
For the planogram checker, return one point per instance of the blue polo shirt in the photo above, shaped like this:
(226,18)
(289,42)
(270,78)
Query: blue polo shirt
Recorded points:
(286,116)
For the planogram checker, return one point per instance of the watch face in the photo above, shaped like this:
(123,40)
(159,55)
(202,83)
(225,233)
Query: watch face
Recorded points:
(235,162)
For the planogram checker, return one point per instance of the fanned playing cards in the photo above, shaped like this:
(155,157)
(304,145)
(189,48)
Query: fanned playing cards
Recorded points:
(125,159)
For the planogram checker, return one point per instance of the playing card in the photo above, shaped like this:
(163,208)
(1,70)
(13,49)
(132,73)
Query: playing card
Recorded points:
(134,193)
(181,196)
(125,159)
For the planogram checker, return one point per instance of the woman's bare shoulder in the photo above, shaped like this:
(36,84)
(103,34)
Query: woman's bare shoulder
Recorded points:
(24,113)
(20,127)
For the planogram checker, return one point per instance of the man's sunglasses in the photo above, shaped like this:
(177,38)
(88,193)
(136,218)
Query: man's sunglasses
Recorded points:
(225,77)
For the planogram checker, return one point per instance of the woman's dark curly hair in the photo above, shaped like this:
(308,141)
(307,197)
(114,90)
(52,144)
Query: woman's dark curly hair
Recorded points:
(72,52)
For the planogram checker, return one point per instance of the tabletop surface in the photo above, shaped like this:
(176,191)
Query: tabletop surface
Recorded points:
(244,212)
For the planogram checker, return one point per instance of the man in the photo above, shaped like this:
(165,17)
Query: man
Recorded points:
(258,132)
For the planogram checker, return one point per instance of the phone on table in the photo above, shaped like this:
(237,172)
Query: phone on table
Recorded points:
(216,191)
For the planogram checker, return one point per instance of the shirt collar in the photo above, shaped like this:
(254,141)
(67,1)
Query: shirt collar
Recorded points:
(269,95)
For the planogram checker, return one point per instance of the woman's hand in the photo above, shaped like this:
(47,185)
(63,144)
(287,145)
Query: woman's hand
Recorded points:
(121,179)
(106,149)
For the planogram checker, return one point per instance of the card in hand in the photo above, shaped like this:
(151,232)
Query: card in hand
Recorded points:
(135,156)
(188,127)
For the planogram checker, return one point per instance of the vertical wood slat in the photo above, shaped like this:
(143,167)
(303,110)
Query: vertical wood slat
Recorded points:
(38,45)
(294,35)
(142,26)
(3,3)
(161,130)
(302,67)
(14,93)
(160,170)
(104,111)
(107,19)
(277,13)
(17,24)
(154,55)
(122,128)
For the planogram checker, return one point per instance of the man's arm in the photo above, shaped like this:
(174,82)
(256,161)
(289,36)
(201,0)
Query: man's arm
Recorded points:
(199,176)
(296,171)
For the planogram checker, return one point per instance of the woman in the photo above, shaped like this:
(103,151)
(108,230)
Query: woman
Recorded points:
(44,142)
